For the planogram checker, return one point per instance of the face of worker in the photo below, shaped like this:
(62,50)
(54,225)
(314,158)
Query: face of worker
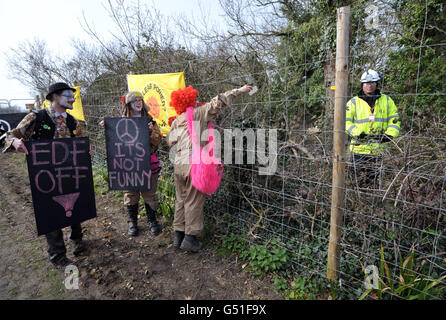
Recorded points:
(369,88)
(136,105)
(65,99)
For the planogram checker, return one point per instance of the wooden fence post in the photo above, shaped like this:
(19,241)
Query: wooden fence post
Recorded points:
(338,189)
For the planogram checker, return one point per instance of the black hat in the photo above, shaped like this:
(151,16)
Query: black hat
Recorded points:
(58,86)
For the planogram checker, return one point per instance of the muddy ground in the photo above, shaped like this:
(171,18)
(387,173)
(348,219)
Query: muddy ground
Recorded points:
(115,265)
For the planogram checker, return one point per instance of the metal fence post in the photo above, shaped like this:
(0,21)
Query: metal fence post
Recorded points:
(338,189)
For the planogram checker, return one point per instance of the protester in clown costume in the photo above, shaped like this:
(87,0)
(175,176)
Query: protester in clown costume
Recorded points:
(188,217)
(51,123)
(133,106)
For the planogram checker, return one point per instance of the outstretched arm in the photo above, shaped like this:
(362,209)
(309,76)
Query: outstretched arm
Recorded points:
(211,109)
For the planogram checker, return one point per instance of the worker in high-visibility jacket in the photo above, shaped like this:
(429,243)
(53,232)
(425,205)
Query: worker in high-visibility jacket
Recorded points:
(372,120)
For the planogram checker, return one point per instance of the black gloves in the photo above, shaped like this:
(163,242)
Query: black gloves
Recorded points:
(382,138)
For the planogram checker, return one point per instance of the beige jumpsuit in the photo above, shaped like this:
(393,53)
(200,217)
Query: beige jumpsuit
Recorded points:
(189,201)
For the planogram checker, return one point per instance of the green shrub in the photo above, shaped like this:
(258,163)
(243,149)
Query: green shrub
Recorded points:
(413,281)
(263,260)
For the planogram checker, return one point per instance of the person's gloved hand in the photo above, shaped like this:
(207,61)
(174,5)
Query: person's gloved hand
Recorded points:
(362,136)
(383,138)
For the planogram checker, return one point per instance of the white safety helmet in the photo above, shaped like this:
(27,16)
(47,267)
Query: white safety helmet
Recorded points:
(370,76)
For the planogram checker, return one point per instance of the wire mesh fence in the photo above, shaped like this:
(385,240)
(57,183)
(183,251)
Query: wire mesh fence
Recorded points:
(401,212)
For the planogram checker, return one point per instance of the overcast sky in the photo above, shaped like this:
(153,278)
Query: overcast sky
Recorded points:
(57,22)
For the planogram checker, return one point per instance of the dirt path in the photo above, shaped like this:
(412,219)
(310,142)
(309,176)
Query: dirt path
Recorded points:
(115,266)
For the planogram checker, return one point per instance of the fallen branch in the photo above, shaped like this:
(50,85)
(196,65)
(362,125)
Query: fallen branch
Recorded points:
(393,181)
(260,213)
(293,146)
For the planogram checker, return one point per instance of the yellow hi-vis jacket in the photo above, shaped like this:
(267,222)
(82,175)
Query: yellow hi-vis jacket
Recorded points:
(360,119)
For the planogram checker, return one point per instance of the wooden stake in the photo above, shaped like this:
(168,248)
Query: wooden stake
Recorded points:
(338,189)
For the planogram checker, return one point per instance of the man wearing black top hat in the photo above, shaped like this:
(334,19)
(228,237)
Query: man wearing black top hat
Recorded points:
(51,123)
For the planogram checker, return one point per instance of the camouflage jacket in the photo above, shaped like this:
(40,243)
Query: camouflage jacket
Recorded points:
(25,129)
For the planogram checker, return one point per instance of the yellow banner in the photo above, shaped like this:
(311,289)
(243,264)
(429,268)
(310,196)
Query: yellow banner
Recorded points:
(78,110)
(156,90)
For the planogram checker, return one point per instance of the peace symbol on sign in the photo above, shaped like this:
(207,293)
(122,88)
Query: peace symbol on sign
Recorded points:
(127,131)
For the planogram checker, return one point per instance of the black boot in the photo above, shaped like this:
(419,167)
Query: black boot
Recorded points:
(60,263)
(76,238)
(132,211)
(178,239)
(191,243)
(155,227)
(78,247)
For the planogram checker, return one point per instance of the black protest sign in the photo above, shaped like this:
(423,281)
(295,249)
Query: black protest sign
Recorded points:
(128,153)
(61,181)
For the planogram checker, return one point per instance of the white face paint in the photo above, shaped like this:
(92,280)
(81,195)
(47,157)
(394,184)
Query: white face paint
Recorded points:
(136,105)
(66,99)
